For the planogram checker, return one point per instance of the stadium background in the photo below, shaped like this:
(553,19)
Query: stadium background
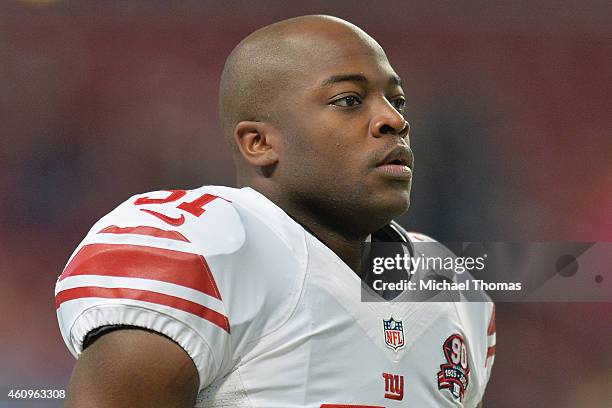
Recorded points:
(511,114)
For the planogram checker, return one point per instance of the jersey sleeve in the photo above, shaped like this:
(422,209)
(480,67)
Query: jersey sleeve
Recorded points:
(147,264)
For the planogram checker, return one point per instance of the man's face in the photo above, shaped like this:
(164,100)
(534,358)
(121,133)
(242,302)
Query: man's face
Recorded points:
(346,144)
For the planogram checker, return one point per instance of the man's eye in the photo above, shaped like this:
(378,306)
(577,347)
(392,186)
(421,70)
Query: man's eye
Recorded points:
(348,101)
(399,104)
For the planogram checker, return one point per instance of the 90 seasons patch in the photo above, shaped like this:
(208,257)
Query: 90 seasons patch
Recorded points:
(454,375)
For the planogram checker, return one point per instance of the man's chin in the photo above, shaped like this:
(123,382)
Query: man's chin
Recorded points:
(393,203)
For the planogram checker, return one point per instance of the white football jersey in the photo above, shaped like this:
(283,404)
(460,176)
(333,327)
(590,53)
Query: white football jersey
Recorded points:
(270,316)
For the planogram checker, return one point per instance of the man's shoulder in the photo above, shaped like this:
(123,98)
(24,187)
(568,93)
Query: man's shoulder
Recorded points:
(226,226)
(213,225)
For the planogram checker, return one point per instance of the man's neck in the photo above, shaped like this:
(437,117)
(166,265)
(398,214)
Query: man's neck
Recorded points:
(347,249)
(348,246)
(344,242)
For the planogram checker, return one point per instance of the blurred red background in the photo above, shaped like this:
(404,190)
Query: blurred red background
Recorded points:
(510,109)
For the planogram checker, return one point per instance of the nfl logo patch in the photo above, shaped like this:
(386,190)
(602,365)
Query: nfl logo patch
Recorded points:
(394,333)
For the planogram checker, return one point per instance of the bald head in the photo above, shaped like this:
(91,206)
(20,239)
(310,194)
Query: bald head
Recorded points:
(271,61)
(312,107)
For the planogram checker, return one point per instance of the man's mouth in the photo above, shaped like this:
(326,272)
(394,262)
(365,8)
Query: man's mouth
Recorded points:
(397,163)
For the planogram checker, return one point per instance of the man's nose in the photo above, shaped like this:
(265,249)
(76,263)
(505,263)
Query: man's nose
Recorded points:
(389,121)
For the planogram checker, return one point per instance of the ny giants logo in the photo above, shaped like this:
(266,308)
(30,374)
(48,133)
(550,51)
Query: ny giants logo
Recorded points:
(454,375)
(394,386)
(394,333)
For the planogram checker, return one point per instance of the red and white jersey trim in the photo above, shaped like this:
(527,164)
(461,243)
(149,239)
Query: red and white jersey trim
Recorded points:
(160,271)
(146,231)
(135,239)
(137,261)
(134,284)
(491,337)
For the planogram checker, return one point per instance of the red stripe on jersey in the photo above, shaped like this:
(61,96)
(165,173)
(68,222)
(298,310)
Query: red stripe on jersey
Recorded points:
(135,261)
(490,353)
(491,329)
(145,296)
(144,230)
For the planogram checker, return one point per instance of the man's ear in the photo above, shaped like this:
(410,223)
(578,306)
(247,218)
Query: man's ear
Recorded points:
(257,143)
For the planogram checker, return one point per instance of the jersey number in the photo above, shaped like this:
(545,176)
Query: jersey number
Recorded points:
(195,207)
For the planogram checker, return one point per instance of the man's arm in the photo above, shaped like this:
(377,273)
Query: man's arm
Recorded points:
(133,368)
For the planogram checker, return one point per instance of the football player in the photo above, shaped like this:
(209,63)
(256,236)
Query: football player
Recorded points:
(250,296)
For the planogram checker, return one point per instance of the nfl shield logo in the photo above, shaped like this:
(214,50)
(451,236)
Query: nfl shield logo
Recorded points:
(394,333)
